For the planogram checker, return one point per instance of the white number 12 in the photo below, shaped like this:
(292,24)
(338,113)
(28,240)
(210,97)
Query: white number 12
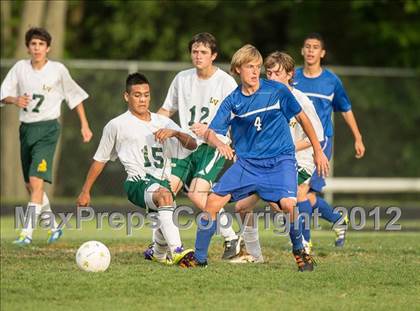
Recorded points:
(258,123)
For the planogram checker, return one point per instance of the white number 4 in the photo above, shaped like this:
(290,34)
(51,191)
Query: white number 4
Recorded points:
(258,123)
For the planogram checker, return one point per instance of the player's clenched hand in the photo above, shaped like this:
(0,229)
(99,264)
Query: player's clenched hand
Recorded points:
(83,199)
(162,134)
(199,129)
(86,134)
(321,163)
(22,101)
(225,151)
(360,149)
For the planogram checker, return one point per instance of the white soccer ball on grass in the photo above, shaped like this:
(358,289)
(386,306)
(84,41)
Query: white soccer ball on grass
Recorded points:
(93,256)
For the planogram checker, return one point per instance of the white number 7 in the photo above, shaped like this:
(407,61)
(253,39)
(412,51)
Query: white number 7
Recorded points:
(258,123)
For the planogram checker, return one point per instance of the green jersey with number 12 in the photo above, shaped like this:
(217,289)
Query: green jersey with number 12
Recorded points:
(195,99)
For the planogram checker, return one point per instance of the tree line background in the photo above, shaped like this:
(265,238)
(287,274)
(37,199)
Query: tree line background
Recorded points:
(357,33)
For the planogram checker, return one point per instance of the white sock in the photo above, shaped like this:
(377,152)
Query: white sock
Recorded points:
(168,228)
(159,244)
(227,233)
(30,228)
(252,242)
(46,207)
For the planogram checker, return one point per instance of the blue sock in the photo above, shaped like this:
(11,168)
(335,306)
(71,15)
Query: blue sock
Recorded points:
(202,240)
(305,209)
(296,234)
(326,210)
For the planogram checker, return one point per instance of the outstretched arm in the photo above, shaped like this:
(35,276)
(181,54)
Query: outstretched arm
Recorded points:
(359,147)
(94,171)
(224,149)
(84,129)
(321,161)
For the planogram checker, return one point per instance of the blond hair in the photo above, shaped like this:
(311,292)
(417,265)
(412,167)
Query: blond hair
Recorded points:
(244,55)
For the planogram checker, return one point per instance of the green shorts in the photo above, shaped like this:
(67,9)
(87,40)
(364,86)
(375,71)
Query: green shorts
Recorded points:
(205,163)
(140,191)
(37,147)
(303,176)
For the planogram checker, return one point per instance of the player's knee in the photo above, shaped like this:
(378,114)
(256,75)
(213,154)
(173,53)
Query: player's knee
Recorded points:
(240,207)
(302,192)
(288,205)
(311,197)
(197,198)
(36,186)
(164,197)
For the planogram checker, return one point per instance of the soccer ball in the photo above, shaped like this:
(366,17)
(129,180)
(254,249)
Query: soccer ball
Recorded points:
(93,256)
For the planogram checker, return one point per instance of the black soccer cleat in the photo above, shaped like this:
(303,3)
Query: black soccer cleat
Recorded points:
(304,261)
(233,248)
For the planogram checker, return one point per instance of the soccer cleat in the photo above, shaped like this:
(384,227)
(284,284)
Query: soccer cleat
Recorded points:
(307,246)
(149,255)
(233,248)
(340,234)
(194,263)
(183,258)
(246,258)
(54,236)
(23,240)
(304,261)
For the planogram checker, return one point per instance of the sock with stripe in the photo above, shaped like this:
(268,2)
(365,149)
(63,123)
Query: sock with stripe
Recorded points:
(326,210)
(305,212)
(295,234)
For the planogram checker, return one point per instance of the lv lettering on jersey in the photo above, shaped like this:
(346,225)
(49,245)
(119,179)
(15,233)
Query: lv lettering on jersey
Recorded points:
(46,88)
(214,101)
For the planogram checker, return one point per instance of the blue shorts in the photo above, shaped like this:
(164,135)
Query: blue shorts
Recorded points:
(317,182)
(272,179)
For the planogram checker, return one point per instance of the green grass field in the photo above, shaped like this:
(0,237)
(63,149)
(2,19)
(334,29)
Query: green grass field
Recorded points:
(375,271)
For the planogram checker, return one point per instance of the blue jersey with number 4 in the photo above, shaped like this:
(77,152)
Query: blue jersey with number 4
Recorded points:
(327,94)
(259,122)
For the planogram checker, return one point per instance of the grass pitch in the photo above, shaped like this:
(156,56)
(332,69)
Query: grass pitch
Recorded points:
(375,271)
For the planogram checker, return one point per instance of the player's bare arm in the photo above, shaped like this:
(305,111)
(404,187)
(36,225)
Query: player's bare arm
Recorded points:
(20,101)
(321,161)
(84,124)
(199,129)
(359,147)
(186,140)
(166,113)
(225,150)
(94,171)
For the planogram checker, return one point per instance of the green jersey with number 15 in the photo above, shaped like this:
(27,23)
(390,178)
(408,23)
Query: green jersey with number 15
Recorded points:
(132,141)
(195,99)
(46,87)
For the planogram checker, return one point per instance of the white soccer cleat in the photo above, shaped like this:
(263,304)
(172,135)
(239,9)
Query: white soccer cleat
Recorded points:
(246,258)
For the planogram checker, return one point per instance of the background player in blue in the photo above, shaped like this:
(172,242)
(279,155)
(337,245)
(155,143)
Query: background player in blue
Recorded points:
(258,112)
(326,91)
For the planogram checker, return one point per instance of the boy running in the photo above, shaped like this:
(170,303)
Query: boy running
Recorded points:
(38,86)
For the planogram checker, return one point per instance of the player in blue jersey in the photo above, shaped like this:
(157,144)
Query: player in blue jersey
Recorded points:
(327,93)
(258,113)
